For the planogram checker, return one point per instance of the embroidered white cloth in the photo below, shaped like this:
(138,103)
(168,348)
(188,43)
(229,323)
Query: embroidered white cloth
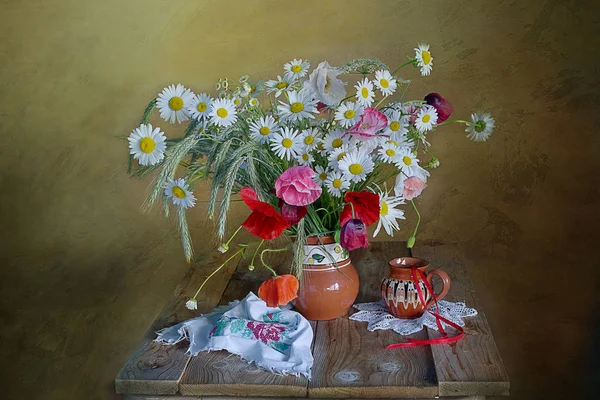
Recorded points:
(378,317)
(275,339)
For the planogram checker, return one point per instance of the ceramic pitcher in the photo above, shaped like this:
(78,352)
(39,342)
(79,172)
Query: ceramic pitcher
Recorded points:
(399,292)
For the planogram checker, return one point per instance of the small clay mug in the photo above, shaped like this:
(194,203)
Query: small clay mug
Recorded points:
(399,292)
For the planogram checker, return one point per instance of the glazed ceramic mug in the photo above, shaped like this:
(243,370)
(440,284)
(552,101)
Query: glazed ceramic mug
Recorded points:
(398,289)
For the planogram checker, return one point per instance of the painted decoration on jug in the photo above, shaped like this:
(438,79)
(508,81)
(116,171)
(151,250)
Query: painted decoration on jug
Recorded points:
(324,254)
(396,292)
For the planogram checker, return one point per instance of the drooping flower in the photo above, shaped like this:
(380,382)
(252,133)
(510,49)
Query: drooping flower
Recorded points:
(279,290)
(424,59)
(191,304)
(292,214)
(297,187)
(264,221)
(370,122)
(388,213)
(147,145)
(354,235)
(481,130)
(413,187)
(173,102)
(325,85)
(443,108)
(365,205)
(178,191)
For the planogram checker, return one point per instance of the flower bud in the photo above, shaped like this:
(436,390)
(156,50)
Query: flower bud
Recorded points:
(191,304)
(354,235)
(443,108)
(411,242)
(223,248)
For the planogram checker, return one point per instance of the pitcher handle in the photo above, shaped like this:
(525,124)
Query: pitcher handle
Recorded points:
(445,279)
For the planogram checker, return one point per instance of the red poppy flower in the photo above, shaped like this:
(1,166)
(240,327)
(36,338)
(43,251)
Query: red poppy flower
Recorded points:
(292,214)
(264,222)
(366,207)
(443,108)
(279,290)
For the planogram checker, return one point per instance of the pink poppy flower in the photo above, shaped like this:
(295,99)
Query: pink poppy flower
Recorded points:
(370,122)
(413,187)
(297,187)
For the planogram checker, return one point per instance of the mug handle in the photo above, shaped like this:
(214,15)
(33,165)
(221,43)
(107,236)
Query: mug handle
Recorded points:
(445,279)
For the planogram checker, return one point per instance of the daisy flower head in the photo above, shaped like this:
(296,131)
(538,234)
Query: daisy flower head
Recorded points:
(385,82)
(336,156)
(364,92)
(200,107)
(237,101)
(263,129)
(253,102)
(310,138)
(408,163)
(482,128)
(223,112)
(147,145)
(304,157)
(426,118)
(334,140)
(336,183)
(424,59)
(301,105)
(322,174)
(179,193)
(389,151)
(388,214)
(356,165)
(286,143)
(296,69)
(278,86)
(348,113)
(173,103)
(397,123)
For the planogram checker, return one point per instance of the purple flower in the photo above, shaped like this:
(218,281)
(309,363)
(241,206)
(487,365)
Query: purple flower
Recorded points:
(354,235)
(443,108)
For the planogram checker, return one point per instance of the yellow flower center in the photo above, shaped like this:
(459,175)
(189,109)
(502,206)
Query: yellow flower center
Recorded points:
(327,84)
(309,140)
(287,143)
(200,130)
(426,56)
(252,88)
(426,118)
(282,85)
(222,112)
(178,192)
(384,208)
(237,102)
(297,107)
(176,103)
(265,130)
(323,176)
(337,143)
(395,125)
(201,106)
(349,114)
(364,92)
(355,169)
(390,152)
(147,145)
(342,155)
(320,147)
(384,83)
(305,157)
(337,183)
(392,142)
(296,68)
(406,160)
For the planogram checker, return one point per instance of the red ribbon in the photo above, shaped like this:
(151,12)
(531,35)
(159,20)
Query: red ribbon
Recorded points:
(418,275)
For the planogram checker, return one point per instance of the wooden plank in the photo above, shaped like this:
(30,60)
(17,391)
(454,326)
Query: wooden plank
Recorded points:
(155,368)
(473,365)
(352,362)
(178,397)
(221,373)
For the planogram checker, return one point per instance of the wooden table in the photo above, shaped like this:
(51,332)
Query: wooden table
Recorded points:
(350,362)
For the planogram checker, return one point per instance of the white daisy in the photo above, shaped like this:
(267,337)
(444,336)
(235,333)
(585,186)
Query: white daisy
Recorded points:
(178,191)
(348,114)
(191,304)
(286,143)
(356,165)
(483,125)
(223,112)
(173,103)
(254,102)
(334,140)
(200,107)
(397,124)
(424,59)
(278,86)
(408,162)
(237,101)
(388,214)
(296,69)
(263,129)
(147,146)
(336,156)
(426,118)
(389,152)
(385,82)
(310,138)
(304,157)
(301,105)
(322,174)
(336,183)
(364,92)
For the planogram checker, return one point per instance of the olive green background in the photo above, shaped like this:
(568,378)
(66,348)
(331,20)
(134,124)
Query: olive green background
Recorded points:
(84,271)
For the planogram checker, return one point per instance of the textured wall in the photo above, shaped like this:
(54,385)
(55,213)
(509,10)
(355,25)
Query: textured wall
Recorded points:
(84,272)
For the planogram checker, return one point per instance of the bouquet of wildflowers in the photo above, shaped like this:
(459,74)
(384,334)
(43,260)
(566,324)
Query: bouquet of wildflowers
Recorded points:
(327,151)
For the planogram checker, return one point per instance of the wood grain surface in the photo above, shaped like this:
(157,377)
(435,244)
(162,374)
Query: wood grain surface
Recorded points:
(471,366)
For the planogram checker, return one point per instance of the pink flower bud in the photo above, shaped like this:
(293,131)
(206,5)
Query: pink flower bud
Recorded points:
(443,108)
(354,235)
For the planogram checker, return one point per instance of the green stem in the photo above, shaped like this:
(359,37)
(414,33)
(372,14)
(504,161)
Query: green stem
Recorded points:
(262,260)
(256,251)
(377,105)
(418,218)
(403,65)
(215,271)
(226,246)
(462,121)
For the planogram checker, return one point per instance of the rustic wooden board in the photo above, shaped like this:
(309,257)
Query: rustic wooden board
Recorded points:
(352,362)
(155,368)
(177,397)
(221,373)
(473,365)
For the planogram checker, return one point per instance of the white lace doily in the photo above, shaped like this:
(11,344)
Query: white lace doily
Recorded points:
(378,317)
